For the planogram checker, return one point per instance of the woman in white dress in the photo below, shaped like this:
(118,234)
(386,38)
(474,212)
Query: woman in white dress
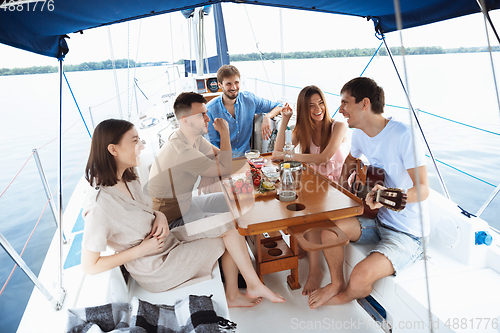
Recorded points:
(119,215)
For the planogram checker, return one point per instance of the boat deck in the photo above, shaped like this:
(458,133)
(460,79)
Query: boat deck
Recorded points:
(295,314)
(459,277)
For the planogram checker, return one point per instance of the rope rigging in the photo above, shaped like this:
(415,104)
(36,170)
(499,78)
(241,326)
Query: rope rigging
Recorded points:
(364,70)
(114,72)
(410,107)
(260,52)
(413,115)
(74,99)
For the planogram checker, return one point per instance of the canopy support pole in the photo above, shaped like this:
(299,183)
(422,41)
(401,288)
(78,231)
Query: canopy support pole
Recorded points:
(60,288)
(487,18)
(443,186)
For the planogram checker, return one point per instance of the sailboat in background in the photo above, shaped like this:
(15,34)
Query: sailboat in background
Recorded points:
(433,295)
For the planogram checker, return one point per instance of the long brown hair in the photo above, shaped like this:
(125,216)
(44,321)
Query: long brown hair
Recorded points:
(101,167)
(305,127)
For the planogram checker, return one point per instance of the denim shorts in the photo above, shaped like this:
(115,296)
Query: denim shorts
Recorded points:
(400,248)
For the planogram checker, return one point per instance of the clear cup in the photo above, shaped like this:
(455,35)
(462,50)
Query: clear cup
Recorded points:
(252,154)
(271,174)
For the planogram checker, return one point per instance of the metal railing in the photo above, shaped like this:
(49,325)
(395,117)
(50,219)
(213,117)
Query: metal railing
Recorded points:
(48,193)
(56,303)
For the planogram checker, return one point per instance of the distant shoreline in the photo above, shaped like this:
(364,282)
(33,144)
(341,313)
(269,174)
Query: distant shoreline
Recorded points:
(340,53)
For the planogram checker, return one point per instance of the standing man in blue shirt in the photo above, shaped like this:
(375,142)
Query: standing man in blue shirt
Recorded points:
(238,109)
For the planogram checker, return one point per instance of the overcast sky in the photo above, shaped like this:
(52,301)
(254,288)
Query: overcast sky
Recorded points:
(151,39)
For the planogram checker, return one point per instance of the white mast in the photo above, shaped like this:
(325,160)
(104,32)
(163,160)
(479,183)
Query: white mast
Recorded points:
(198,39)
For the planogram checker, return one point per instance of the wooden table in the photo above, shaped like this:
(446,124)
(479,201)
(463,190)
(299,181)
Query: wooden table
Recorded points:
(261,217)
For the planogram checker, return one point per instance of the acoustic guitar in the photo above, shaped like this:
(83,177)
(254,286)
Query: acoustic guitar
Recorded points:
(365,179)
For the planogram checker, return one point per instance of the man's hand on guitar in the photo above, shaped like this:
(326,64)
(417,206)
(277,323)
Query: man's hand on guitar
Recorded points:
(392,198)
(370,197)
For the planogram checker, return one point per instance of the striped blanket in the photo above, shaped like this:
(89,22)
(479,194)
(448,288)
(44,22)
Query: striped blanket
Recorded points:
(192,314)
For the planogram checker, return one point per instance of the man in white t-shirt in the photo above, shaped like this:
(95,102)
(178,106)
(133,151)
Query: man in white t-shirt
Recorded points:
(387,144)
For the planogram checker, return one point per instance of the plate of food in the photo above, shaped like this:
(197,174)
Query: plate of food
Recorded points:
(249,184)
(239,184)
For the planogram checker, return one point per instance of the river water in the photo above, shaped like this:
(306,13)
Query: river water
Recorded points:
(455,86)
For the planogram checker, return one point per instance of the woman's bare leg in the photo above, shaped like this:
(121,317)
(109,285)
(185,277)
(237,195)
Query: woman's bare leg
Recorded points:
(235,298)
(237,248)
(315,275)
(335,259)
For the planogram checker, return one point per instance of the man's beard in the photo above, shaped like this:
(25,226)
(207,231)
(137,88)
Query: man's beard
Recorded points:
(231,96)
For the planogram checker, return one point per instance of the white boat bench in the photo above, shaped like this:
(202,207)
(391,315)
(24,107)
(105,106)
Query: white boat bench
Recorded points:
(457,268)
(110,286)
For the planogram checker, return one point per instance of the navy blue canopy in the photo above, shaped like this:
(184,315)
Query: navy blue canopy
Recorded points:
(42,31)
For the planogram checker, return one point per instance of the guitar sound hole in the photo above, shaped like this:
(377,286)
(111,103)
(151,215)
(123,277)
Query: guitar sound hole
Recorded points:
(295,207)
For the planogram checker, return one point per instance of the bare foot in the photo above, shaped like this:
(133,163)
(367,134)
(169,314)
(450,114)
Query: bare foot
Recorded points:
(313,282)
(241,300)
(261,290)
(335,300)
(322,296)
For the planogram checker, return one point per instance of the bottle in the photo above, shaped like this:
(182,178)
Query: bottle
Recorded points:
(288,149)
(287,192)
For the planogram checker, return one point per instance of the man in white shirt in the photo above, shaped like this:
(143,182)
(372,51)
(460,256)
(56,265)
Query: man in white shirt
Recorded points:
(387,144)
